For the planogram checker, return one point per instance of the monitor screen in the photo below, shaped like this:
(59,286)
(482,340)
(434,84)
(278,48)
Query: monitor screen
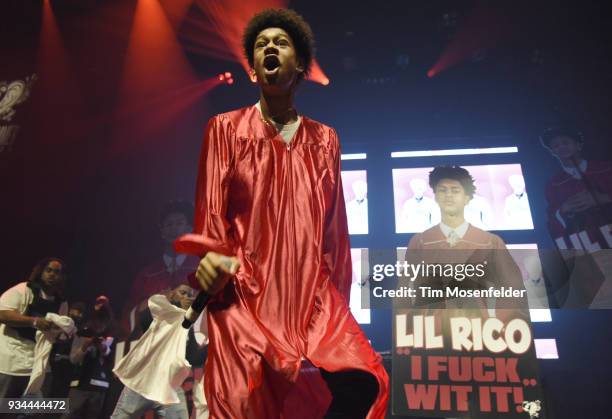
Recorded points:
(355,188)
(500,201)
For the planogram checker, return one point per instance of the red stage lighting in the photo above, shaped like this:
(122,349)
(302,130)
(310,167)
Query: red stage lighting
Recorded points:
(230,81)
(317,75)
(485,27)
(176,10)
(228,75)
(221,77)
(155,67)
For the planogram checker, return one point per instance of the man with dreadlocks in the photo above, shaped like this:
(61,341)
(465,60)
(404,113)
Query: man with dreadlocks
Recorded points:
(269,189)
(23,309)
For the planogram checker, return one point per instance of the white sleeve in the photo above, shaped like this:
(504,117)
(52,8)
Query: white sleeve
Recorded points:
(14,298)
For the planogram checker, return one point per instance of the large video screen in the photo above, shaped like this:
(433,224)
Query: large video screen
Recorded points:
(355,188)
(500,201)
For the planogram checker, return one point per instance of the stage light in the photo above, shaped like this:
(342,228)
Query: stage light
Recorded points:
(226,77)
(454,152)
(540,315)
(317,75)
(431,73)
(56,79)
(354,156)
(155,69)
(482,29)
(546,348)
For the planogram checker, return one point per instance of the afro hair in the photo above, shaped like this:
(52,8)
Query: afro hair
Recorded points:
(551,133)
(455,173)
(292,23)
(177,207)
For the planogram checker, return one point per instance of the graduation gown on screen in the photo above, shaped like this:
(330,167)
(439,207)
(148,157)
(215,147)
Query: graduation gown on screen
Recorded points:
(476,246)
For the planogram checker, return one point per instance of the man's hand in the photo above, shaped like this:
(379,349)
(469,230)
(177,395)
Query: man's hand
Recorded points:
(578,203)
(215,270)
(44,325)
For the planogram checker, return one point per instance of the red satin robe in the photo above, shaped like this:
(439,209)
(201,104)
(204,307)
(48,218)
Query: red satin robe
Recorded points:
(281,209)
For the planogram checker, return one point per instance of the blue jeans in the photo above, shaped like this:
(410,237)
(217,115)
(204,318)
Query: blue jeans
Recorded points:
(133,405)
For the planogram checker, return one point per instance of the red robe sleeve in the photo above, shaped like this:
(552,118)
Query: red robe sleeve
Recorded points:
(337,246)
(214,173)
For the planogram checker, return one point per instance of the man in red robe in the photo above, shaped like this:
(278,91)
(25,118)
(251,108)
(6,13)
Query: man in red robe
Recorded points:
(169,271)
(269,188)
(580,218)
(579,196)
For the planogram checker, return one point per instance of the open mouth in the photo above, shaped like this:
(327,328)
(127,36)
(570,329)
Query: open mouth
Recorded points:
(271,63)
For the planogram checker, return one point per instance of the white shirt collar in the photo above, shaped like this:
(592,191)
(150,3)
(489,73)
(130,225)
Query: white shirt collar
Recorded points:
(459,231)
(576,173)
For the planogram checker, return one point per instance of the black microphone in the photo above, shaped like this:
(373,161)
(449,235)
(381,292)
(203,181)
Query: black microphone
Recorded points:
(193,312)
(198,245)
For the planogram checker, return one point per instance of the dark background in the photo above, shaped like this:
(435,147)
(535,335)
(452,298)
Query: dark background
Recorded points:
(66,190)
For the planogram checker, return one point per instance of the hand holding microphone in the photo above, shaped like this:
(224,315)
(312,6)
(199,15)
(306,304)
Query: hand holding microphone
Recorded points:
(214,270)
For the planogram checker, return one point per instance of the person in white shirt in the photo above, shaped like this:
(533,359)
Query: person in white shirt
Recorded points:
(156,366)
(357,209)
(516,206)
(419,212)
(22,312)
(479,213)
